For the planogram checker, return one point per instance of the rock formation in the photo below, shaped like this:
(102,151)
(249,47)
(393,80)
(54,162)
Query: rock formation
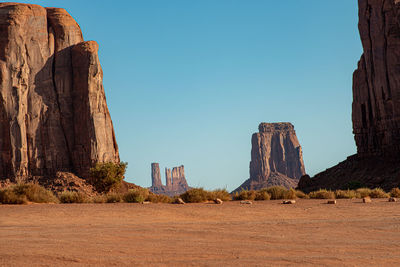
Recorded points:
(176,183)
(53,111)
(155,175)
(376,104)
(276,157)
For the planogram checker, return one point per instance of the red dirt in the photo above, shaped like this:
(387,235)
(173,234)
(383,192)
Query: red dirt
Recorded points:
(308,233)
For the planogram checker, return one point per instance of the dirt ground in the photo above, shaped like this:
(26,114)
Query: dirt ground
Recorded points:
(308,233)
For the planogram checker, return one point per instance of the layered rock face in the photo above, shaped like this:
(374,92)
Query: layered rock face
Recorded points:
(155,175)
(376,82)
(376,105)
(276,157)
(175,181)
(53,111)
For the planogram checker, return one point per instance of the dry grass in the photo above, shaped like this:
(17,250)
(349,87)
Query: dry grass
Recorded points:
(137,195)
(262,195)
(363,192)
(395,192)
(378,193)
(278,192)
(322,194)
(219,193)
(345,194)
(114,197)
(69,197)
(23,193)
(245,195)
(153,198)
(195,195)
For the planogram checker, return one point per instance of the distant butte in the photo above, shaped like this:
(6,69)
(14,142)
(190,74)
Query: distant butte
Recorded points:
(176,183)
(276,157)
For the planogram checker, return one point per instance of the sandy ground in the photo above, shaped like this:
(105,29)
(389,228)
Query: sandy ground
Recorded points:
(309,233)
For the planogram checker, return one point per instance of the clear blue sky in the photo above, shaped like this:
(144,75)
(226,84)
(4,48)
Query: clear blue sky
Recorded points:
(188,81)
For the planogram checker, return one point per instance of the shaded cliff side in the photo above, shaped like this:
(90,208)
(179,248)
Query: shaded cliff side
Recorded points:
(376,105)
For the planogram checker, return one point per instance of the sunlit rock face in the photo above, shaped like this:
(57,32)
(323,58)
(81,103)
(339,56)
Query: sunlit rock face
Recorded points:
(276,157)
(53,110)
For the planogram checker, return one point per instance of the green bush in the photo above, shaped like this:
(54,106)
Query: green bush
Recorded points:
(345,194)
(277,192)
(322,194)
(69,197)
(137,195)
(8,196)
(195,195)
(262,195)
(378,193)
(395,192)
(219,193)
(153,198)
(363,192)
(105,176)
(113,198)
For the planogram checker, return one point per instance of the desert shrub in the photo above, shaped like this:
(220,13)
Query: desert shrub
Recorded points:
(219,193)
(195,195)
(395,192)
(277,192)
(153,198)
(349,194)
(137,195)
(69,197)
(113,198)
(322,194)
(353,185)
(8,196)
(35,193)
(105,176)
(245,195)
(301,194)
(291,194)
(98,199)
(262,195)
(363,192)
(378,193)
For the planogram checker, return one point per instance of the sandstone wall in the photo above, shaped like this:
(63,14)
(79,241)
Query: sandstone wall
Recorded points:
(53,112)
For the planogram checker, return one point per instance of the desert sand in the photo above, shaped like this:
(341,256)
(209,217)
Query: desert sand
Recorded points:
(308,233)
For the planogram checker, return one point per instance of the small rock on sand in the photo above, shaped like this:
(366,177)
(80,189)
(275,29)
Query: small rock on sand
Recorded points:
(218,201)
(289,202)
(392,199)
(248,202)
(367,200)
(331,201)
(179,201)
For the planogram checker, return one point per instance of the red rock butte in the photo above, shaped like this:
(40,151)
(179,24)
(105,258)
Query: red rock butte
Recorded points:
(276,157)
(376,105)
(53,110)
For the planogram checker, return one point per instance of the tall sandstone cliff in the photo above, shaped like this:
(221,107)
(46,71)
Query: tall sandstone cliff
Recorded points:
(276,157)
(53,111)
(376,105)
